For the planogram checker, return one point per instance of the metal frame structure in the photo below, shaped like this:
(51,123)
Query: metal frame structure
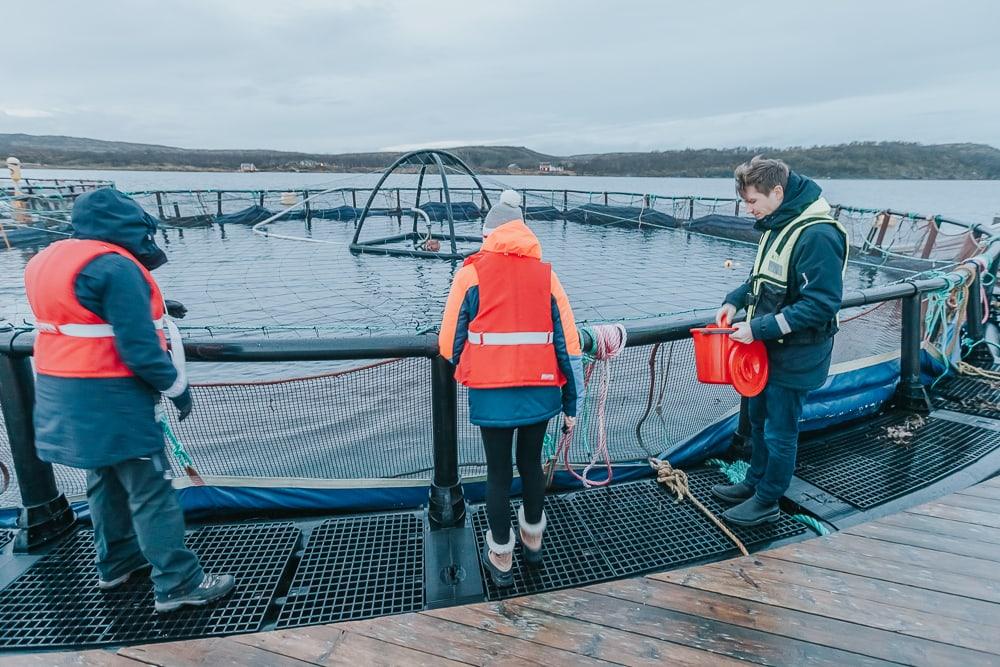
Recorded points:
(425,159)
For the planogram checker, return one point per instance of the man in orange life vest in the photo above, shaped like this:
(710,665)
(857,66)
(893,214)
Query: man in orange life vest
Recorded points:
(102,362)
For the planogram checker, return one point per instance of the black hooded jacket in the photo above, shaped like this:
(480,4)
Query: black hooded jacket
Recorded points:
(95,422)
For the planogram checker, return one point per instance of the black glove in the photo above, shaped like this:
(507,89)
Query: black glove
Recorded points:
(183,403)
(175,309)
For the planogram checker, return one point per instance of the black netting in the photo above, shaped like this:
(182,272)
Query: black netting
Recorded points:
(375,420)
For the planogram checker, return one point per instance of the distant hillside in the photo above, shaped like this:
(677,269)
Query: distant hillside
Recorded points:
(855,160)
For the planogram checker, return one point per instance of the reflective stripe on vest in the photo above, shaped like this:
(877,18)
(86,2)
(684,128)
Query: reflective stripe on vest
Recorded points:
(84,330)
(771,266)
(512,338)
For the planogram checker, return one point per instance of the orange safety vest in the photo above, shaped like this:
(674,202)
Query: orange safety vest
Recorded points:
(510,339)
(72,341)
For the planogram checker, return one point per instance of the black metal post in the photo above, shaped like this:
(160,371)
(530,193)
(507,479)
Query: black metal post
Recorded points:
(416,203)
(45,513)
(447,499)
(218,202)
(447,199)
(911,393)
(979,354)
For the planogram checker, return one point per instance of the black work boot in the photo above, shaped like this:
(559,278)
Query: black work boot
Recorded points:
(531,533)
(751,512)
(733,493)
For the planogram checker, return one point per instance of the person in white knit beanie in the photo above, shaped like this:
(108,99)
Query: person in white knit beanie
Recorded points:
(505,210)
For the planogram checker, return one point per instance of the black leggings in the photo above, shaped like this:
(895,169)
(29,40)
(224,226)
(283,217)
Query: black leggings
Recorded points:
(499,475)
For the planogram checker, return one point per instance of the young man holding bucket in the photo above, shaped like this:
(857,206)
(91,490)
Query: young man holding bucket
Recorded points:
(791,299)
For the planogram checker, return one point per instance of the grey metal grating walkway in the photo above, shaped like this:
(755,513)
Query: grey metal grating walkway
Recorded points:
(358,567)
(973,396)
(890,456)
(622,530)
(56,603)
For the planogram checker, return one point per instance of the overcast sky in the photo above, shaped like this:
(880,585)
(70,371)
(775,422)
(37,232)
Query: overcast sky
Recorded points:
(558,76)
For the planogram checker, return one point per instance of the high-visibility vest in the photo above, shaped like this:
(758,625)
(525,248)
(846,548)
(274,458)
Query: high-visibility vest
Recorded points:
(510,339)
(72,341)
(769,279)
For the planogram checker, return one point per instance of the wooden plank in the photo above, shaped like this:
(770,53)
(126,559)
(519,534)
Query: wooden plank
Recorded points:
(464,643)
(513,619)
(974,517)
(868,644)
(980,491)
(931,524)
(916,556)
(311,644)
(971,503)
(744,579)
(212,650)
(817,552)
(96,658)
(706,634)
(993,482)
(900,595)
(932,541)
(334,645)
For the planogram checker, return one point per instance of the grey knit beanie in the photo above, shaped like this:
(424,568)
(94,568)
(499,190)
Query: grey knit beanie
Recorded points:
(507,209)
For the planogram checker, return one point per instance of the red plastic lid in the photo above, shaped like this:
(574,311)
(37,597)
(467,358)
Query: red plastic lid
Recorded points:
(748,368)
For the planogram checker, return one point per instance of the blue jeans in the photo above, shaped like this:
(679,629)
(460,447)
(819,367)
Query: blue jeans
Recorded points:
(137,520)
(774,437)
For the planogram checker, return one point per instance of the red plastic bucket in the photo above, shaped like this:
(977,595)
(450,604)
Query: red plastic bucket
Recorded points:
(712,347)
(720,360)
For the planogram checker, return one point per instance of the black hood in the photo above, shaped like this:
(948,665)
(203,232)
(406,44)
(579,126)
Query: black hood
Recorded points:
(108,215)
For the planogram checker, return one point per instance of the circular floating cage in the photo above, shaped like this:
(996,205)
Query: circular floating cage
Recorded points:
(35,211)
(416,243)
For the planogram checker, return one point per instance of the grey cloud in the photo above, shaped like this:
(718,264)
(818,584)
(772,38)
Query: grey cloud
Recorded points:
(559,76)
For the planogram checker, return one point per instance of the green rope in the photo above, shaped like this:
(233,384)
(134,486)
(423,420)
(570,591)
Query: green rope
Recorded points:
(812,523)
(735,472)
(549,447)
(176,448)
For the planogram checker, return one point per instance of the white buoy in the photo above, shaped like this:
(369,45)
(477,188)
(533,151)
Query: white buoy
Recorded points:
(289,199)
(14,165)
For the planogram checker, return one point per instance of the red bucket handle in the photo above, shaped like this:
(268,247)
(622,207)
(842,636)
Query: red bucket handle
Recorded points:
(713,330)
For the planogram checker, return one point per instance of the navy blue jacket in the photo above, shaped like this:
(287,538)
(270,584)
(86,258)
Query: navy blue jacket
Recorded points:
(815,291)
(95,422)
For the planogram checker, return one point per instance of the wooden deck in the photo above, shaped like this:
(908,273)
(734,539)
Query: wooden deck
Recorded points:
(919,587)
